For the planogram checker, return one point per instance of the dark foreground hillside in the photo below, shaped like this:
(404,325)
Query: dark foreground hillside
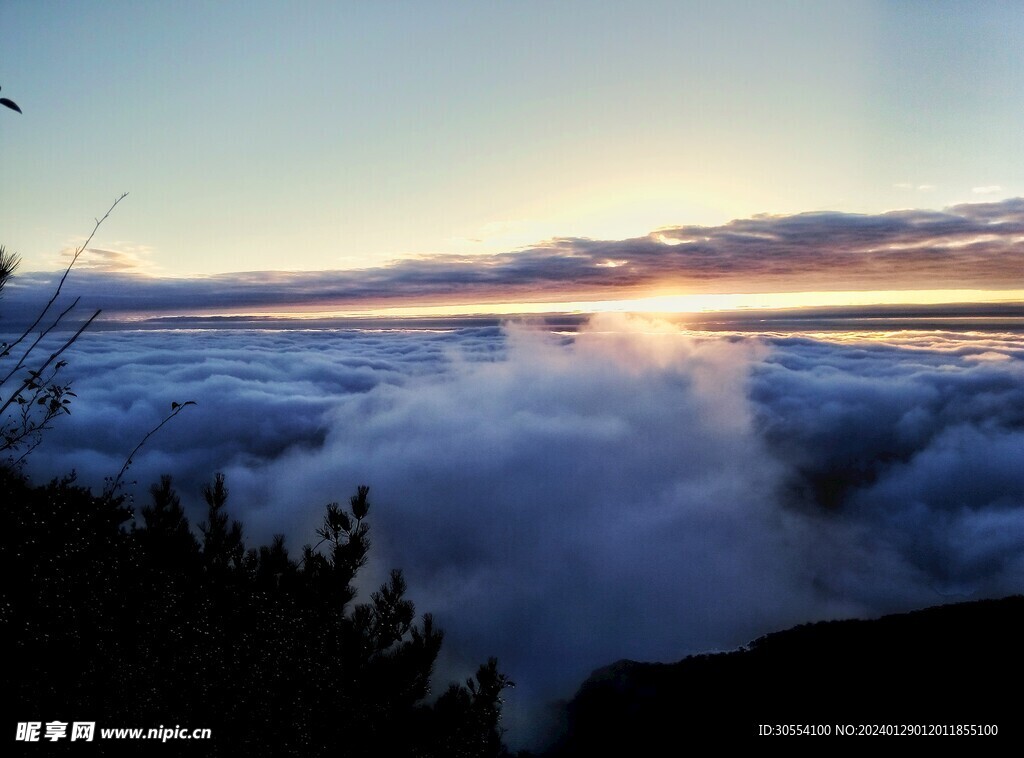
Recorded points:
(939,668)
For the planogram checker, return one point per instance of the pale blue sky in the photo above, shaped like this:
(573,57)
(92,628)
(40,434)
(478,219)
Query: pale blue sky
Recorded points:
(260,136)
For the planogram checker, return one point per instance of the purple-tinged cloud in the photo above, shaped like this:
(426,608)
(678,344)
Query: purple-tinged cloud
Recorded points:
(974,246)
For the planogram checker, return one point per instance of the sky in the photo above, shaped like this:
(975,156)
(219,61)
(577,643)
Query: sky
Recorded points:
(663,466)
(362,140)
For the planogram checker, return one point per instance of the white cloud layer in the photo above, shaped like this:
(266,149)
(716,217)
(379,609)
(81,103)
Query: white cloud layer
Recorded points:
(563,502)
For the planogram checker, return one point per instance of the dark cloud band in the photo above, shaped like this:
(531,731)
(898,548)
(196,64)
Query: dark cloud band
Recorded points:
(975,246)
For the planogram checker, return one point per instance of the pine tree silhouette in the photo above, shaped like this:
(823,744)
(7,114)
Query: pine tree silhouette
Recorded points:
(150,625)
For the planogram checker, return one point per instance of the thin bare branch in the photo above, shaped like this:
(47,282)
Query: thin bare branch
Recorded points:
(53,356)
(42,335)
(60,284)
(176,408)
(24,455)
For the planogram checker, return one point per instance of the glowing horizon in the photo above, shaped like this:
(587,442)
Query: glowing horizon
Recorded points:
(720,302)
(654,304)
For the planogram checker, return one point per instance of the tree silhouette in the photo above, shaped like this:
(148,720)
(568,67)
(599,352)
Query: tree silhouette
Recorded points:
(150,625)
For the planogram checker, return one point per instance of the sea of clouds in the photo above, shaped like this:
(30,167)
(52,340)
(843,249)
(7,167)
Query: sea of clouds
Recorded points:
(563,501)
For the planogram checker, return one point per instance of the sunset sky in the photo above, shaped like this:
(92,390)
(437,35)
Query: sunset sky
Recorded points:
(605,481)
(474,157)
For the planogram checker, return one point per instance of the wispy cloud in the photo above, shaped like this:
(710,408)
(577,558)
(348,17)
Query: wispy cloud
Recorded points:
(127,259)
(988,189)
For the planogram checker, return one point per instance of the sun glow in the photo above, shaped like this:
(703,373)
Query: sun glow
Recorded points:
(672,303)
